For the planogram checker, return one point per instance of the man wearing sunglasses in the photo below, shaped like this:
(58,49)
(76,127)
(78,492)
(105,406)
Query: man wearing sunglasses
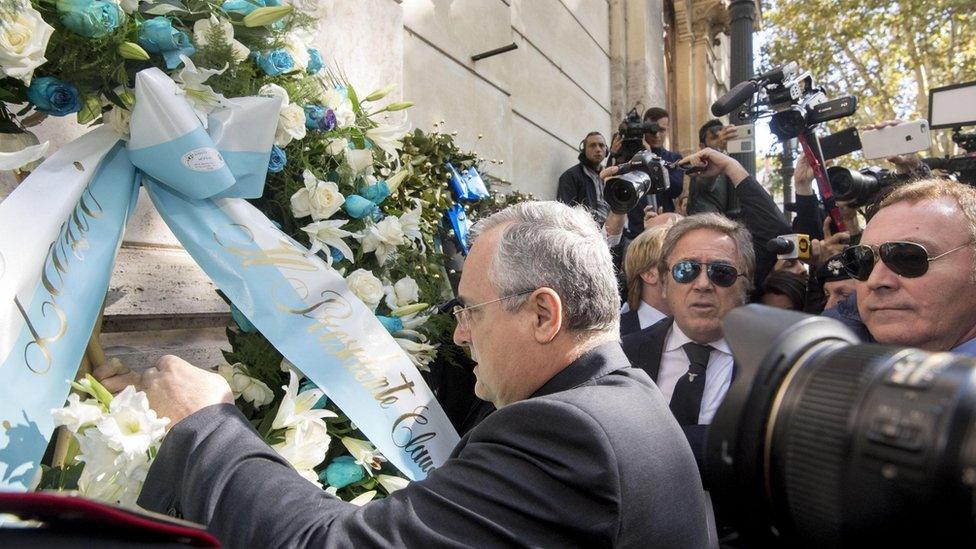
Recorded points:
(916,268)
(706,268)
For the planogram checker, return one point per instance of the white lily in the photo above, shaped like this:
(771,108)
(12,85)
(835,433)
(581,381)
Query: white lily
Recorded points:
(329,233)
(203,28)
(203,98)
(77,413)
(387,138)
(131,426)
(421,354)
(242,384)
(364,498)
(410,222)
(365,453)
(305,447)
(382,238)
(392,483)
(296,407)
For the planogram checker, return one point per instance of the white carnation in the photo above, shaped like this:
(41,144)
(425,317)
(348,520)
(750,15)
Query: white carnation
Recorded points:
(337,147)
(404,292)
(23,40)
(360,160)
(366,287)
(203,27)
(319,199)
(344,115)
(291,125)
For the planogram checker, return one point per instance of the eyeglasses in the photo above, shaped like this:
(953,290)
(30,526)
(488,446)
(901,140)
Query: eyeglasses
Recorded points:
(461,314)
(907,259)
(721,274)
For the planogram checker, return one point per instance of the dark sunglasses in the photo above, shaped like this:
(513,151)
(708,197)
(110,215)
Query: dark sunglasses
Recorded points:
(721,274)
(907,259)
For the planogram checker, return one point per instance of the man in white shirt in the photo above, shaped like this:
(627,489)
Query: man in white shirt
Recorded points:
(706,269)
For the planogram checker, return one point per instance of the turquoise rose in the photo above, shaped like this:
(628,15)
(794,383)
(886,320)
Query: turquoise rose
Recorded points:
(89,18)
(275,62)
(315,63)
(157,35)
(242,7)
(377,192)
(342,472)
(392,324)
(278,159)
(358,207)
(52,96)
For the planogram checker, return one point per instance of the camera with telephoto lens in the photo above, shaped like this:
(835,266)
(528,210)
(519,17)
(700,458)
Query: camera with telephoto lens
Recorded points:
(790,246)
(823,441)
(631,131)
(645,173)
(862,187)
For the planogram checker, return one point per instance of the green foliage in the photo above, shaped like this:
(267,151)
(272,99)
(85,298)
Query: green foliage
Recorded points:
(887,54)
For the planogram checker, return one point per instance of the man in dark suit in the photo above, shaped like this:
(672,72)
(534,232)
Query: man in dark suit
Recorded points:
(581,452)
(706,268)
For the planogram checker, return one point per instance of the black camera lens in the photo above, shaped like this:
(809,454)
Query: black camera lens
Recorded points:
(853,186)
(622,192)
(824,442)
(788,123)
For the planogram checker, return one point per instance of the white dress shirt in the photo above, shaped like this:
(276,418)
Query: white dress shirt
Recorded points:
(646,314)
(718,373)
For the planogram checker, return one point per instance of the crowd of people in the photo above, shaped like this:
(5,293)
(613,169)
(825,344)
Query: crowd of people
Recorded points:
(598,339)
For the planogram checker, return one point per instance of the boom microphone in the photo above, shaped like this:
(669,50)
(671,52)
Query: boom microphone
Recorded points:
(734,98)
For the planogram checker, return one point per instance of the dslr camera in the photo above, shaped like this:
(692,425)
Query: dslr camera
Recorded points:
(823,441)
(862,187)
(645,173)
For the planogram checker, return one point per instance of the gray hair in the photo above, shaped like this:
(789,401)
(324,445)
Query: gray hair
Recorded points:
(720,224)
(551,245)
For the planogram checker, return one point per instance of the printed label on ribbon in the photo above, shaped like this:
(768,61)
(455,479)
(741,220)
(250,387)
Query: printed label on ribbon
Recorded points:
(205,159)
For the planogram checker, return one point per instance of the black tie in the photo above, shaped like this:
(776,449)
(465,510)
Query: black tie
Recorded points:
(687,396)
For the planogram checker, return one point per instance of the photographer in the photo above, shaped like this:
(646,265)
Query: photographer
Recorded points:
(581,184)
(655,142)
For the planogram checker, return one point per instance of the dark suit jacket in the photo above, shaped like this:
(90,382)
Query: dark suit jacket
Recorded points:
(593,458)
(629,323)
(644,349)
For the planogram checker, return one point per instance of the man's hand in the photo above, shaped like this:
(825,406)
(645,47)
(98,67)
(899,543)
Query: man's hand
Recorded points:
(714,163)
(175,388)
(609,172)
(904,163)
(821,250)
(803,176)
